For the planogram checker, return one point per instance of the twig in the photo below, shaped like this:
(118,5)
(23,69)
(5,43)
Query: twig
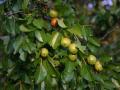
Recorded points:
(109,32)
(12,13)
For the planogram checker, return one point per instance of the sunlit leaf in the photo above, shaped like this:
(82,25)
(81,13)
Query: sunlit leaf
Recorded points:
(24,29)
(38,36)
(55,40)
(61,23)
(76,30)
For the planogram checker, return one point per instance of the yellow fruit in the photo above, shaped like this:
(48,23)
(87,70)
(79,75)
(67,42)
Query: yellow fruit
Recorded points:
(53,13)
(44,52)
(98,66)
(72,57)
(54,22)
(72,48)
(91,59)
(65,42)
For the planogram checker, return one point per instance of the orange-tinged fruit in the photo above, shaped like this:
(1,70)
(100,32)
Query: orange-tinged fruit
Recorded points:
(91,59)
(53,13)
(44,52)
(73,57)
(65,42)
(98,66)
(54,22)
(72,48)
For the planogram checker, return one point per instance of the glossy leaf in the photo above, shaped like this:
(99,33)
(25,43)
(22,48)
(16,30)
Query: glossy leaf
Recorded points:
(55,40)
(85,73)
(39,23)
(76,30)
(38,36)
(40,74)
(61,23)
(24,29)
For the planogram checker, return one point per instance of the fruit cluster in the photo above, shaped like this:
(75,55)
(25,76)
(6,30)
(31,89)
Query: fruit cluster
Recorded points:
(92,60)
(66,43)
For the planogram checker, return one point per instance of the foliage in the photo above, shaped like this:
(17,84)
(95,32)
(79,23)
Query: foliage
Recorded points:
(26,29)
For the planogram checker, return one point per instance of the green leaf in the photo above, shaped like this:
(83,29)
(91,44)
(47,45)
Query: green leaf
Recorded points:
(55,40)
(94,41)
(27,79)
(80,47)
(10,70)
(11,26)
(38,36)
(45,36)
(17,44)
(25,4)
(23,55)
(39,23)
(61,23)
(68,72)
(105,58)
(40,74)
(6,40)
(76,30)
(92,48)
(24,29)
(85,73)
(108,85)
(28,45)
(50,68)
(86,32)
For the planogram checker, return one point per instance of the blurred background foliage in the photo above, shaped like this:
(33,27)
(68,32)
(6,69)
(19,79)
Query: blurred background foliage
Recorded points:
(100,17)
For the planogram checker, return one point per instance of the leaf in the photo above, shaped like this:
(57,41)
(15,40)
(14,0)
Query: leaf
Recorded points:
(27,79)
(10,70)
(11,26)
(40,74)
(61,23)
(39,23)
(94,41)
(38,36)
(55,40)
(25,4)
(18,42)
(52,70)
(45,36)
(75,30)
(24,29)
(80,47)
(68,72)
(5,39)
(85,73)
(105,58)
(23,55)
(92,48)
(86,32)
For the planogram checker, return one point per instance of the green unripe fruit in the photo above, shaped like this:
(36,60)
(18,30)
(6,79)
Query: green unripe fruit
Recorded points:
(65,42)
(44,52)
(73,57)
(91,59)
(53,13)
(98,66)
(72,48)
